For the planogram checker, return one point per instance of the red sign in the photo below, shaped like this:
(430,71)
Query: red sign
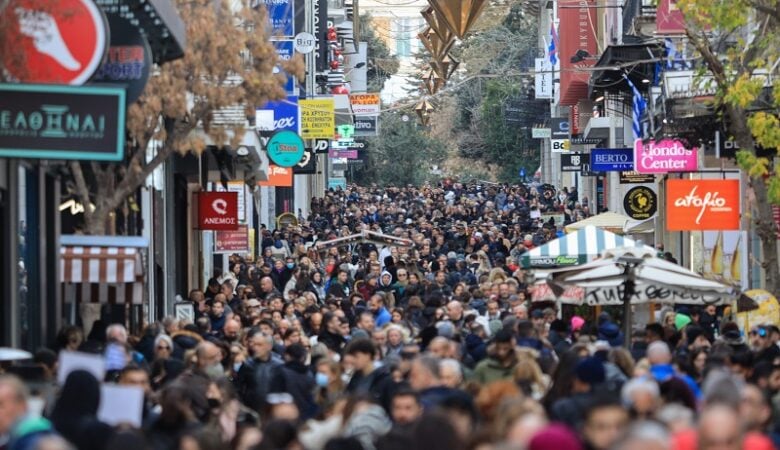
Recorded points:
(278,177)
(577,34)
(232,241)
(668,18)
(218,210)
(702,205)
(60,42)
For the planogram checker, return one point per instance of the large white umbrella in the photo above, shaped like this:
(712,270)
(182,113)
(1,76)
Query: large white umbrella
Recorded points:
(634,275)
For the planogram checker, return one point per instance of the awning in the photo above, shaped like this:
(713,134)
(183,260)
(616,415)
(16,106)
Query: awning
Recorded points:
(609,221)
(104,269)
(639,226)
(575,248)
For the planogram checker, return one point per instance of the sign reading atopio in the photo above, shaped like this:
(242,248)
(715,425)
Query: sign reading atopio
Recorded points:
(702,205)
(666,155)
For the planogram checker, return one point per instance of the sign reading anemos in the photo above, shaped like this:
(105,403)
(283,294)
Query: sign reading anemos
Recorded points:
(702,205)
(666,155)
(218,210)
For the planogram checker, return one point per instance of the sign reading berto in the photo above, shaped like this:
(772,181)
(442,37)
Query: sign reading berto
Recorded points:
(62,122)
(667,155)
(285,148)
(702,205)
(611,159)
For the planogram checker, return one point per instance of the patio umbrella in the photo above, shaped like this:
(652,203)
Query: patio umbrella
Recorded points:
(635,275)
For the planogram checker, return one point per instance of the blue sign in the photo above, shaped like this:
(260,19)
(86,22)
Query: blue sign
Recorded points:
(522,172)
(611,159)
(285,114)
(285,50)
(285,148)
(281,14)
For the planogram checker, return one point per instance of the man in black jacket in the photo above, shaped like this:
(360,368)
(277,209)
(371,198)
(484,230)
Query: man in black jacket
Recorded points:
(295,378)
(367,379)
(254,378)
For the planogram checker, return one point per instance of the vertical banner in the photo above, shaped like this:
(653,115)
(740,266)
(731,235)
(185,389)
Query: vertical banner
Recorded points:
(579,23)
(281,16)
(285,51)
(543,77)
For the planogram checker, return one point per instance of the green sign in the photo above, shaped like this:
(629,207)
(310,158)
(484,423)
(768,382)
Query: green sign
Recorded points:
(62,122)
(285,148)
(346,131)
(560,260)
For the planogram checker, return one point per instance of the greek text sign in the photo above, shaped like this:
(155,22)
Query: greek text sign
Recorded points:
(667,155)
(62,122)
(611,159)
(365,104)
(702,205)
(218,210)
(232,241)
(318,118)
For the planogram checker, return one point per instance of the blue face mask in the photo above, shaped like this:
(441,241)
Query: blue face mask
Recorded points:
(278,243)
(321,379)
(290,265)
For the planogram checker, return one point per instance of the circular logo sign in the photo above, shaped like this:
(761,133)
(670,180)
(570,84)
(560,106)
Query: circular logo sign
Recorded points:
(60,42)
(129,58)
(285,148)
(305,43)
(640,203)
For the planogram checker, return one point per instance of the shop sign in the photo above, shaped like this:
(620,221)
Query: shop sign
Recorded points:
(540,133)
(277,116)
(285,220)
(572,162)
(560,260)
(60,42)
(640,203)
(366,125)
(702,205)
(218,210)
(349,154)
(560,135)
(365,104)
(318,118)
(669,18)
(278,177)
(281,16)
(337,183)
(321,146)
(62,122)
(305,43)
(285,51)
(632,177)
(232,241)
(285,148)
(667,155)
(611,159)
(578,44)
(307,164)
(543,79)
(129,58)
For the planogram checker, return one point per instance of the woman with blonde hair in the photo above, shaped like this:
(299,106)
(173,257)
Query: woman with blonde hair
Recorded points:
(497,275)
(529,377)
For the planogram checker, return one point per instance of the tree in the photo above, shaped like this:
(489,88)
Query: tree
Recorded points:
(229,62)
(401,154)
(382,64)
(739,44)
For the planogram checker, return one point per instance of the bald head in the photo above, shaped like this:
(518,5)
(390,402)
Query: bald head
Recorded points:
(207,354)
(658,353)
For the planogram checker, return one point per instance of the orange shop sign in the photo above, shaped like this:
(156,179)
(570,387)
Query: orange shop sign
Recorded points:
(278,176)
(702,205)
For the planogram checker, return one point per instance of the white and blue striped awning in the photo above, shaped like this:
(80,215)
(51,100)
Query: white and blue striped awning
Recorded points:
(575,248)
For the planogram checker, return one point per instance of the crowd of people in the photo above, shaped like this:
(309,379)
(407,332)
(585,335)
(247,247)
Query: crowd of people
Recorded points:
(430,344)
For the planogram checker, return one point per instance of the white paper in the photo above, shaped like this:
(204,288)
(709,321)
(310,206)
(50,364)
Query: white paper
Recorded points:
(121,405)
(70,361)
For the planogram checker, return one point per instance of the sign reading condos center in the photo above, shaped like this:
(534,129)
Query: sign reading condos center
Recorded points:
(666,155)
(62,122)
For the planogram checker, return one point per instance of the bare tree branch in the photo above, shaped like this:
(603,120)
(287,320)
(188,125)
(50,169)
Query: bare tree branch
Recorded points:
(82,191)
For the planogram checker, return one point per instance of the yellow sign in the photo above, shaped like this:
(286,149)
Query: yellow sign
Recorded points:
(251,255)
(318,118)
(285,220)
(768,312)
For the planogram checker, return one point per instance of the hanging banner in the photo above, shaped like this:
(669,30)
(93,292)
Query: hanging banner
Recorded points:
(365,104)
(572,162)
(640,203)
(277,116)
(631,177)
(236,241)
(318,118)
(278,177)
(702,205)
(577,30)
(611,159)
(667,155)
(668,18)
(543,79)
(285,51)
(281,16)
(217,210)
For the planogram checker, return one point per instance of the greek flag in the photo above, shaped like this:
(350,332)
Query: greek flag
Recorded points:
(671,53)
(639,109)
(552,48)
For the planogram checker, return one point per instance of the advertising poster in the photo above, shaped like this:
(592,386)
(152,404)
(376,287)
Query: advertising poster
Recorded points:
(232,241)
(702,205)
(318,118)
(281,15)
